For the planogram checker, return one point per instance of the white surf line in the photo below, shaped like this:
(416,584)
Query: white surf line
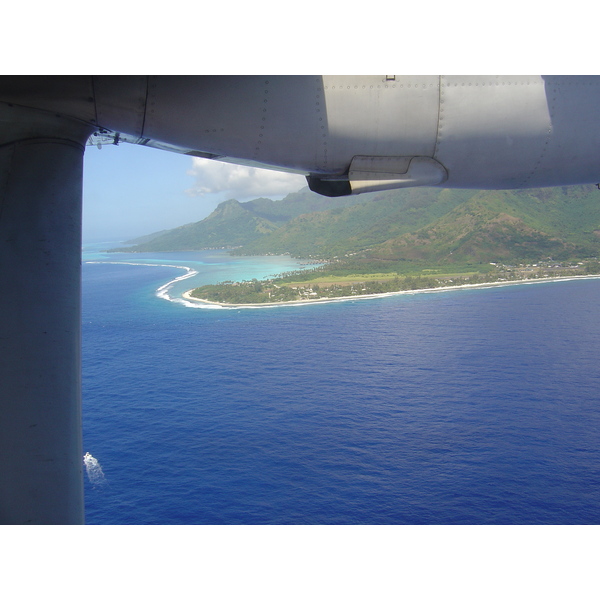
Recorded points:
(163,290)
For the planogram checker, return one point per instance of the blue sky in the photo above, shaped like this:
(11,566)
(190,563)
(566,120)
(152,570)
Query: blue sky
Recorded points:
(129,190)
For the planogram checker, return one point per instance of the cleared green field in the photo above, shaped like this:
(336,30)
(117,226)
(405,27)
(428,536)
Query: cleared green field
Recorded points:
(382,277)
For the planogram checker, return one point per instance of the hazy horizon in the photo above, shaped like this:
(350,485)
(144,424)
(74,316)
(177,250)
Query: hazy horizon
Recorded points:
(130,191)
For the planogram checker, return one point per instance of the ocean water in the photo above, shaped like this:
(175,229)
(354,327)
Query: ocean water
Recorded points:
(471,406)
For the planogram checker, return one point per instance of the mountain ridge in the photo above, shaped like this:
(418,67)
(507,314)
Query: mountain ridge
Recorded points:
(234,223)
(426,225)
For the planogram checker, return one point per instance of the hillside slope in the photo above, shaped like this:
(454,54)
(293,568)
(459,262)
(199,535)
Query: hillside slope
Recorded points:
(508,225)
(425,225)
(234,223)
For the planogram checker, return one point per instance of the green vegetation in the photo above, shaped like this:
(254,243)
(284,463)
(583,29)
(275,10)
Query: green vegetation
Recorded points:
(382,241)
(247,292)
(234,223)
(339,232)
(419,225)
(288,289)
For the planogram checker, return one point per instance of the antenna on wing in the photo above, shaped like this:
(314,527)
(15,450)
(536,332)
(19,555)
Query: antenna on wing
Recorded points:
(103,137)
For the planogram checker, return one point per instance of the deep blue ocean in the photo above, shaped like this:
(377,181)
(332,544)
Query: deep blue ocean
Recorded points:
(471,406)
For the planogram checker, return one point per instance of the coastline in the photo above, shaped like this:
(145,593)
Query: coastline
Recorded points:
(187,295)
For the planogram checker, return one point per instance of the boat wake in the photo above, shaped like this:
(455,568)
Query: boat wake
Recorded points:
(94,470)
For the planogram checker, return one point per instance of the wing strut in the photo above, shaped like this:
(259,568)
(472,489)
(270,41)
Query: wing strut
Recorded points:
(41,167)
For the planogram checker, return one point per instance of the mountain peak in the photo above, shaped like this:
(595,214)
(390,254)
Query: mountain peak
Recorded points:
(425,224)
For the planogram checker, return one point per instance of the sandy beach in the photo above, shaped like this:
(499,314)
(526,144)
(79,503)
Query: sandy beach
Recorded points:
(187,295)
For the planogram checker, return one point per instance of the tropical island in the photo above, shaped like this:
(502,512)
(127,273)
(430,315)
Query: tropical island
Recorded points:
(286,290)
(397,240)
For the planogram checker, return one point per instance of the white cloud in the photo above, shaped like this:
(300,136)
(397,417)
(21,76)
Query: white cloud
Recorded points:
(241,182)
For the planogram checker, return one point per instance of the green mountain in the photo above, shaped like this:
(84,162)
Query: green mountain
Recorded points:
(340,231)
(508,225)
(422,225)
(234,223)
(146,238)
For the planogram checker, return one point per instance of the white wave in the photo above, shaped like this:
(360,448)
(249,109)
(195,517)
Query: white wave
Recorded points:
(94,470)
(163,290)
(189,304)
